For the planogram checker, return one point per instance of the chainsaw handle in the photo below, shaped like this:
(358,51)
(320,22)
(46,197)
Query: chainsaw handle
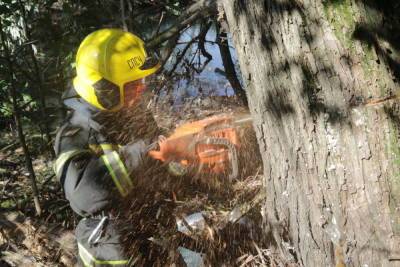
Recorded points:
(152,148)
(168,150)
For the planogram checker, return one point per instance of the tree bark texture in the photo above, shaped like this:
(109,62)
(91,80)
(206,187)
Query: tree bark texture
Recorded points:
(331,162)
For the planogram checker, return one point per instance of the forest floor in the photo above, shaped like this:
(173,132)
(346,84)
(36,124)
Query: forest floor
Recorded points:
(27,239)
(229,223)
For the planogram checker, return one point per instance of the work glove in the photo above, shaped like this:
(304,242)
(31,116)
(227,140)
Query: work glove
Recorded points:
(134,154)
(170,152)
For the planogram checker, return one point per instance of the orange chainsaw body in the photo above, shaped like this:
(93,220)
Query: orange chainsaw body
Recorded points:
(207,144)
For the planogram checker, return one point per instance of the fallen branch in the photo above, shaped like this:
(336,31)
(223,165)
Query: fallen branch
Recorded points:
(48,179)
(9,146)
(7,163)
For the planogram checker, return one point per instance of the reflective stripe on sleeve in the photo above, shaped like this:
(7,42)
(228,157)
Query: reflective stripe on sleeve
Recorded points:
(89,260)
(64,157)
(118,172)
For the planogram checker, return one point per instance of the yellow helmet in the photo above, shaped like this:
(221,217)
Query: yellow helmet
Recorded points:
(106,60)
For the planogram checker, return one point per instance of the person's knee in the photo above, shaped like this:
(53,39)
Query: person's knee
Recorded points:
(99,242)
(87,201)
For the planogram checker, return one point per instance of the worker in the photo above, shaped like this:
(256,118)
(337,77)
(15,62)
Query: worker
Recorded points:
(111,67)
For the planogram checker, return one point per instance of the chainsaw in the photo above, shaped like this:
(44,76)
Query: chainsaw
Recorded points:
(204,146)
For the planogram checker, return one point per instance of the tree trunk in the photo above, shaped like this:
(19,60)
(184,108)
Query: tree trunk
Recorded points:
(17,119)
(41,95)
(331,160)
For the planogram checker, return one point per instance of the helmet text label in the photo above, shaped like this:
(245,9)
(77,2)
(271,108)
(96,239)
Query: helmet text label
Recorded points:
(135,62)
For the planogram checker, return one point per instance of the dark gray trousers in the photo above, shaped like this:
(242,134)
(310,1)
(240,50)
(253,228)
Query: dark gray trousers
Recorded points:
(99,243)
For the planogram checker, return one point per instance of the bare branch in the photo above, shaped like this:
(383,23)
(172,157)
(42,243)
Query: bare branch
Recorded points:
(198,10)
(229,66)
(159,23)
(202,38)
(180,57)
(123,17)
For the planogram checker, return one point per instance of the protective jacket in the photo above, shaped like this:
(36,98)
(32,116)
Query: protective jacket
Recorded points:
(93,174)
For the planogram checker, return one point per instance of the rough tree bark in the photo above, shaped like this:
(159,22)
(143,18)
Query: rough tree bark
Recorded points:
(331,161)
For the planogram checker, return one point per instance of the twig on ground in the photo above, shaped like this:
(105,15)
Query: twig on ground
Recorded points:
(48,179)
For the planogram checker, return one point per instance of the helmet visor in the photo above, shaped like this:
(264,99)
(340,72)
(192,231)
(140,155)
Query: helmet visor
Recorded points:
(107,93)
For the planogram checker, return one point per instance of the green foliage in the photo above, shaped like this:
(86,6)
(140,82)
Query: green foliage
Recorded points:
(5,105)
(53,29)
(341,16)
(6,204)
(368,31)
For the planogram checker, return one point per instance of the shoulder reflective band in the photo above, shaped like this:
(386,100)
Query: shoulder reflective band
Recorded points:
(118,172)
(103,148)
(107,147)
(89,260)
(64,157)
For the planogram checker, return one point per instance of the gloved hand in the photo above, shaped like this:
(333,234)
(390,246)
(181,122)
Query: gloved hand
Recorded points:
(165,152)
(134,154)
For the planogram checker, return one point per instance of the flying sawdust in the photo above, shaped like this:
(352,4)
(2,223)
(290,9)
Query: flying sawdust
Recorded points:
(148,216)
